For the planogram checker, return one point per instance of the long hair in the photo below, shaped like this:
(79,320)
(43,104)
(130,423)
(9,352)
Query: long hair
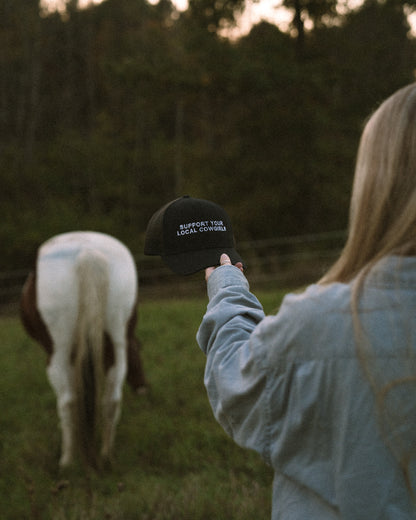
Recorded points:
(382,222)
(382,218)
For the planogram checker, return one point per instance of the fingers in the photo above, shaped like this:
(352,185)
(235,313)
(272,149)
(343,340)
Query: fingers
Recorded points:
(240,266)
(208,272)
(224,260)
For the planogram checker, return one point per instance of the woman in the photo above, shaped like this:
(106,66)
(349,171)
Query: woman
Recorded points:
(325,390)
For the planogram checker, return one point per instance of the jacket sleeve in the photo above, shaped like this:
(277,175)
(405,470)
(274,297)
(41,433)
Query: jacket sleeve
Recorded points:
(235,373)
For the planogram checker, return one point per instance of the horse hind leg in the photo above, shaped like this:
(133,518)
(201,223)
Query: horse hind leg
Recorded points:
(135,373)
(111,415)
(60,375)
(112,397)
(66,414)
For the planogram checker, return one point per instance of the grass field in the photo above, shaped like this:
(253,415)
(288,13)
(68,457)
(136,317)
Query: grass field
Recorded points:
(172,460)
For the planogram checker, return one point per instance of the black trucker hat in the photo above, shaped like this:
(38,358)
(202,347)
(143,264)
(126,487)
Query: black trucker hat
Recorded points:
(190,235)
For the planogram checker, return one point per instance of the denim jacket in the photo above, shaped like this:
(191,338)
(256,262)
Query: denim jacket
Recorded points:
(296,388)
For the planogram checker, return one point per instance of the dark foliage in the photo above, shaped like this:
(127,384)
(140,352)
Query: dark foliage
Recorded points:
(107,113)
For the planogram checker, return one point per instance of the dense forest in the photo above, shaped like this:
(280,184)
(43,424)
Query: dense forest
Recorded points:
(110,111)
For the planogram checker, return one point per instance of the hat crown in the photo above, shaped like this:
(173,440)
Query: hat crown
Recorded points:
(193,224)
(190,234)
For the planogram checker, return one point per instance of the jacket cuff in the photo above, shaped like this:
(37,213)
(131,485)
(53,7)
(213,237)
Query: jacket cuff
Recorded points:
(225,276)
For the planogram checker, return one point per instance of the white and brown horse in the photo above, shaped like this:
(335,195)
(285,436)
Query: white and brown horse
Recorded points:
(80,303)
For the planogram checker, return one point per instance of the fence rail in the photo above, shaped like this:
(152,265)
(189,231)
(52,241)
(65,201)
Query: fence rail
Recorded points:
(280,262)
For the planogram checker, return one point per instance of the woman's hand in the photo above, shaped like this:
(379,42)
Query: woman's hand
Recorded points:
(224,260)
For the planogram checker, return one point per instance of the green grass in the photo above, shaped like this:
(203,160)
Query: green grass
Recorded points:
(172,460)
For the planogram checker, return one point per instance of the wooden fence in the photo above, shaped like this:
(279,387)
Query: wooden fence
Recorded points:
(277,263)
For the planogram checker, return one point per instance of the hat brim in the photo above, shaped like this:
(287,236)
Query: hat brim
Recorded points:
(191,262)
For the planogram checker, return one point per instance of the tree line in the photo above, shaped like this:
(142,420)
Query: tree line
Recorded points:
(109,112)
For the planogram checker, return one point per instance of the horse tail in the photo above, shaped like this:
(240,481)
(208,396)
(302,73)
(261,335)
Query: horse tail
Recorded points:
(93,280)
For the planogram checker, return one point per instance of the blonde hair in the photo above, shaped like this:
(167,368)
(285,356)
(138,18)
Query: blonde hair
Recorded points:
(382,223)
(383,202)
